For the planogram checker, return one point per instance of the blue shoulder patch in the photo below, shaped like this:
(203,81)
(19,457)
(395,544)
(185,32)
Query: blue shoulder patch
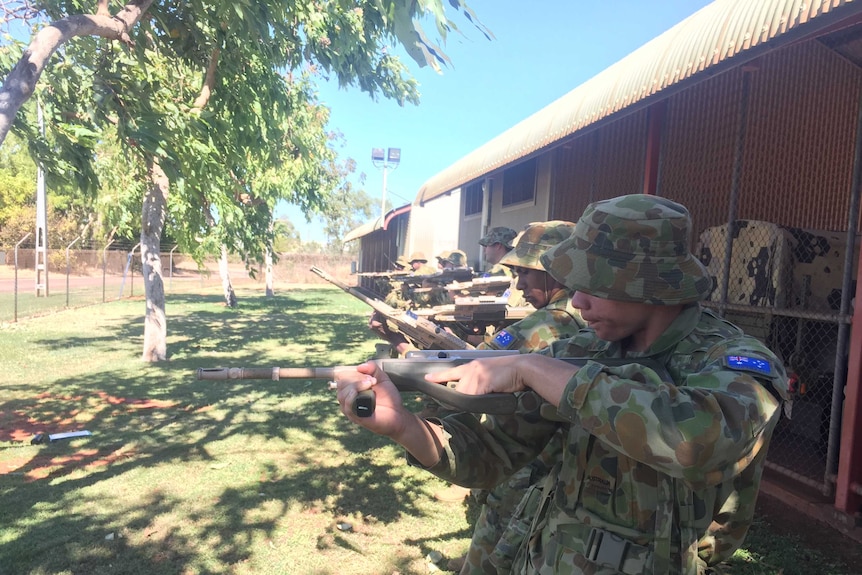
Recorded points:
(745,363)
(504,338)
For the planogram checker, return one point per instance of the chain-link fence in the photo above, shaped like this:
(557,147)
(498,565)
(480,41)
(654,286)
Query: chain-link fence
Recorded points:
(795,277)
(766,158)
(75,277)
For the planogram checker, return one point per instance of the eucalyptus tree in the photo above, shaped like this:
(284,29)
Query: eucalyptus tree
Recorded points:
(212,101)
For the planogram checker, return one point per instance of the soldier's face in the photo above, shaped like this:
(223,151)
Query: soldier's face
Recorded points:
(534,284)
(615,320)
(494,253)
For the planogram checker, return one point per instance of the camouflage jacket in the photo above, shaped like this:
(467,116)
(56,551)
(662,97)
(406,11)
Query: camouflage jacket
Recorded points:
(557,320)
(658,476)
(498,270)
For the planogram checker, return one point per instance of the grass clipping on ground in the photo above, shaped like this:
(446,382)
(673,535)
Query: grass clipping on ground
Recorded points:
(239,477)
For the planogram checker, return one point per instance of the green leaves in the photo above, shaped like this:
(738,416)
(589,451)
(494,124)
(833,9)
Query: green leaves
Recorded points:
(221,93)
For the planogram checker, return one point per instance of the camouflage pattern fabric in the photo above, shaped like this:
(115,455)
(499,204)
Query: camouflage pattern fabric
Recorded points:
(534,241)
(632,248)
(514,295)
(499,235)
(759,274)
(498,270)
(670,468)
(457,258)
(425,270)
(417,257)
(395,298)
(777,266)
(557,320)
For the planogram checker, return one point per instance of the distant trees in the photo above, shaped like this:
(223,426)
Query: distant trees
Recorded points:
(202,113)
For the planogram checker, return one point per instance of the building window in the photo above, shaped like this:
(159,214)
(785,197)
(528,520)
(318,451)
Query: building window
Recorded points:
(473,199)
(519,183)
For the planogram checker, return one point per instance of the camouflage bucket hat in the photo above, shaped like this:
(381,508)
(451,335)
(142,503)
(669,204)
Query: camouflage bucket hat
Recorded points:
(632,248)
(402,262)
(457,258)
(499,235)
(535,240)
(418,257)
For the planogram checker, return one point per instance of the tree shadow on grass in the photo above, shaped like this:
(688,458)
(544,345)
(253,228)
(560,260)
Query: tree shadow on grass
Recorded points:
(151,417)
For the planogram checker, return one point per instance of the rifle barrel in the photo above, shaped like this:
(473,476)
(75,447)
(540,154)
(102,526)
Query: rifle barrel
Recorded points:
(273,373)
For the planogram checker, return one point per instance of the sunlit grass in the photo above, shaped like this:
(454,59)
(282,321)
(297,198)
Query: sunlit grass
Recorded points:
(239,477)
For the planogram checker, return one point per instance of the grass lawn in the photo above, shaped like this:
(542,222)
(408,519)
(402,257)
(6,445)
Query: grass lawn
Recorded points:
(193,477)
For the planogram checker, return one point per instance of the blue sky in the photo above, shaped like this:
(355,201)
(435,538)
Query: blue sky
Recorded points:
(541,50)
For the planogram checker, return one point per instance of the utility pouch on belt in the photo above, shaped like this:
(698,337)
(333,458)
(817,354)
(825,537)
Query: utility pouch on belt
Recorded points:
(517,530)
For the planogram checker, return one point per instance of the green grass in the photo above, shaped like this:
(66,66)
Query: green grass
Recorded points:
(198,477)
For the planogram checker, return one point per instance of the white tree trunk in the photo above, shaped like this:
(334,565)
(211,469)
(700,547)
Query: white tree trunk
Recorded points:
(152,223)
(269,290)
(229,295)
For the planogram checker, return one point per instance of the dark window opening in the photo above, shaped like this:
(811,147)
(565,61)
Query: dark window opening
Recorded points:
(473,199)
(519,183)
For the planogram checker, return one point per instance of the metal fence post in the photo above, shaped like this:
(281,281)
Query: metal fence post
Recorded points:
(15,297)
(171,268)
(105,268)
(69,268)
(126,272)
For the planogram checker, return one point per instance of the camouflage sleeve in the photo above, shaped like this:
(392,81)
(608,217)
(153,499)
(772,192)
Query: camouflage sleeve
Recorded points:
(536,331)
(703,430)
(481,453)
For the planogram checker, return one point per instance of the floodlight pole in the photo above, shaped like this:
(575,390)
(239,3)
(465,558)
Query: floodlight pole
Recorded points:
(391,160)
(41,220)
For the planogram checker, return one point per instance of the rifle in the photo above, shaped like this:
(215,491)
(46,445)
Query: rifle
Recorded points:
(395,274)
(441,278)
(472,316)
(423,332)
(482,285)
(408,374)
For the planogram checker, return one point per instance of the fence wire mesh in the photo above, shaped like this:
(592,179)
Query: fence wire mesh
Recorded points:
(81,277)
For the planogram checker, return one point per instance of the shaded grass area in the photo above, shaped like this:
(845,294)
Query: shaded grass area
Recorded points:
(184,476)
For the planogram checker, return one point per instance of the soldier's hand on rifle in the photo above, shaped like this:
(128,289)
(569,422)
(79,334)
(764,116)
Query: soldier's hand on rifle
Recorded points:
(378,325)
(389,409)
(390,417)
(544,375)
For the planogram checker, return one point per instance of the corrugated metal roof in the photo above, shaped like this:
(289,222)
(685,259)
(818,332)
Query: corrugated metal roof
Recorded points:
(375,224)
(715,34)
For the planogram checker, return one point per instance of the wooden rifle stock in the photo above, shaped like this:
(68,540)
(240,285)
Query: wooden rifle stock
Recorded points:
(423,332)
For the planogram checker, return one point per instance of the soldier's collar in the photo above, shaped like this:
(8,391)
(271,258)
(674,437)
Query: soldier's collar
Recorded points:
(678,330)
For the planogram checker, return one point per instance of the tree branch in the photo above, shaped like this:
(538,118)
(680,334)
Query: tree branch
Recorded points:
(21,81)
(102,8)
(209,82)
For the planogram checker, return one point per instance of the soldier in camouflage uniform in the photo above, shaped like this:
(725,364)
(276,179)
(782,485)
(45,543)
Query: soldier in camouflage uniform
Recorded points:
(398,296)
(659,464)
(493,249)
(553,319)
(496,244)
